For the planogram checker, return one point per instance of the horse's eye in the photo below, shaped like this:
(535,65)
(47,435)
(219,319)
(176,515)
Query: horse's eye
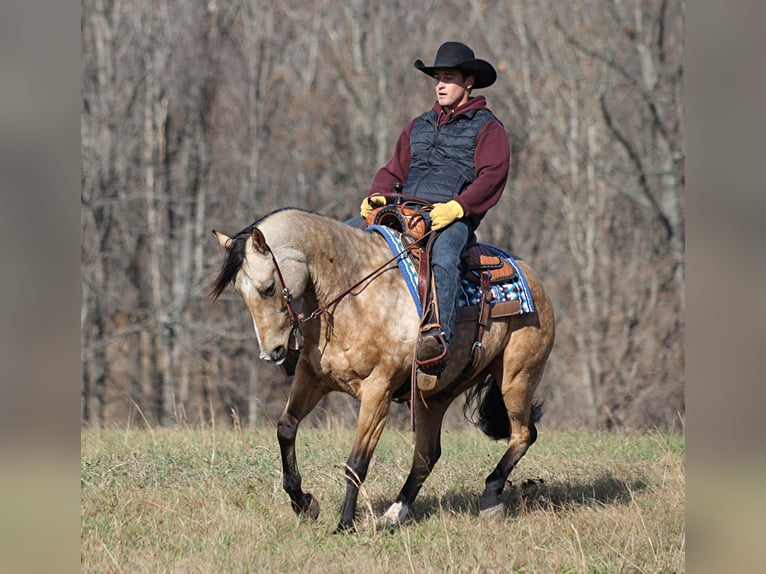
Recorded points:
(269,291)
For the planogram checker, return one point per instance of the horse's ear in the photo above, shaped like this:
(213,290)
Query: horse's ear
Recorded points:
(259,241)
(223,240)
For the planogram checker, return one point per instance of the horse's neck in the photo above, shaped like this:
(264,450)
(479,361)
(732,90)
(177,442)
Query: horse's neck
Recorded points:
(337,255)
(341,258)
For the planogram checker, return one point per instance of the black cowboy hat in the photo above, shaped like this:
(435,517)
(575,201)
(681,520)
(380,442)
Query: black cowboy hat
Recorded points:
(458,55)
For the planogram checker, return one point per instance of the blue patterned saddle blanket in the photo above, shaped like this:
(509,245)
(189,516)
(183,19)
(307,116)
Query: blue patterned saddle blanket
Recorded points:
(515,289)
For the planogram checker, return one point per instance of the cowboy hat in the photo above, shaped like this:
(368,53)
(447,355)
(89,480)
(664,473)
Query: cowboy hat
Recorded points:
(458,55)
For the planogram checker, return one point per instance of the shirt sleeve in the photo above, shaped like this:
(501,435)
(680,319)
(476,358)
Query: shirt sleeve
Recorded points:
(492,161)
(398,166)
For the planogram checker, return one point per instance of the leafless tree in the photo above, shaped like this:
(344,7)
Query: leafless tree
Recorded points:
(209,115)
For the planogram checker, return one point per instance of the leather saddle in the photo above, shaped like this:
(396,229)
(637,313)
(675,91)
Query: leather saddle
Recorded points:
(478,259)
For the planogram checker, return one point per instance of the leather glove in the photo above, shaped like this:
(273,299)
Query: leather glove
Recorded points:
(371,202)
(442,214)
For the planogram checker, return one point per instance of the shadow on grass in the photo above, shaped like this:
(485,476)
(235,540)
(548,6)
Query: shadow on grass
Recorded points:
(529,496)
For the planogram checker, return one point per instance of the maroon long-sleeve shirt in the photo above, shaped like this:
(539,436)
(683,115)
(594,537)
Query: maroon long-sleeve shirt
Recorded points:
(491,159)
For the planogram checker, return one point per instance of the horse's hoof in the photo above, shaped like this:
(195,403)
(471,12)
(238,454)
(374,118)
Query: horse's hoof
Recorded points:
(383,524)
(344,528)
(394,516)
(312,510)
(386,523)
(493,512)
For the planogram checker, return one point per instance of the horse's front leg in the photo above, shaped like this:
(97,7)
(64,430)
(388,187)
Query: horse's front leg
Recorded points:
(428,425)
(375,402)
(305,393)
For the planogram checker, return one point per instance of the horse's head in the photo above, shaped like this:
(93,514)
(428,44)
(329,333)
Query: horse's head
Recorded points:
(257,269)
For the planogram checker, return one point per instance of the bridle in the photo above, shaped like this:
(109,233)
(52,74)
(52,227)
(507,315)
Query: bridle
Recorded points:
(295,340)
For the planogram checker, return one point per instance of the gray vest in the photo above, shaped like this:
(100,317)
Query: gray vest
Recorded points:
(442,163)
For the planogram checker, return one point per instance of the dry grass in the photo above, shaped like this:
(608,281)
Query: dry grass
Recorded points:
(212,501)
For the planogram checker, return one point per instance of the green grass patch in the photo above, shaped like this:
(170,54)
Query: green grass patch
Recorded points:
(204,501)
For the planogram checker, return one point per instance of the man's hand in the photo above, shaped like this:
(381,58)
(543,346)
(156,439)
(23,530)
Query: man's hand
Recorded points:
(371,202)
(442,214)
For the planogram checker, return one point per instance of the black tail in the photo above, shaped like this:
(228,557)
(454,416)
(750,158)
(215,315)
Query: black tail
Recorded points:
(484,407)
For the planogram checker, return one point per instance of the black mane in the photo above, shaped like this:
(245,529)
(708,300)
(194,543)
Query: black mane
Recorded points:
(235,255)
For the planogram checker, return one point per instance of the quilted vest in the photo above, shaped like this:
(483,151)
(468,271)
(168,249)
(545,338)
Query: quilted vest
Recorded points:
(442,163)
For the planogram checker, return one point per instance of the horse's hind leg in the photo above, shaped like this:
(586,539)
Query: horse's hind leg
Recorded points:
(518,371)
(428,425)
(304,395)
(517,396)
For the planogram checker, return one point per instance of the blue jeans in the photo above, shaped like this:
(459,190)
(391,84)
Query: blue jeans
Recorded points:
(446,252)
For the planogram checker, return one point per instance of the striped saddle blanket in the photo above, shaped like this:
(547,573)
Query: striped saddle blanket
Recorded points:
(510,297)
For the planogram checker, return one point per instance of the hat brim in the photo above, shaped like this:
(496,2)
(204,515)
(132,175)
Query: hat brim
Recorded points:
(482,70)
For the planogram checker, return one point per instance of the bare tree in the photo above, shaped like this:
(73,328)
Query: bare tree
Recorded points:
(572,60)
(209,115)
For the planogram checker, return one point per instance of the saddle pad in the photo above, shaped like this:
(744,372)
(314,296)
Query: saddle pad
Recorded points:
(516,289)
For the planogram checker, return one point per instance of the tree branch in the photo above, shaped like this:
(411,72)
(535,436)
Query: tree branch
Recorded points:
(635,158)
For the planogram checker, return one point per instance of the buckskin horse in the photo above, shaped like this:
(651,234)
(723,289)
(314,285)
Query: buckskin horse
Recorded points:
(290,268)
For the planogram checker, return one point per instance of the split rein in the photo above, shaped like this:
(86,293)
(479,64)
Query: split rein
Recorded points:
(296,339)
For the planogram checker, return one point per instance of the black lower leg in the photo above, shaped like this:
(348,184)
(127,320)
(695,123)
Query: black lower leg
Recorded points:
(291,478)
(493,486)
(356,472)
(495,483)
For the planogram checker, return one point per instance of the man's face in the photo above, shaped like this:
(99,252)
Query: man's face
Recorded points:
(451,87)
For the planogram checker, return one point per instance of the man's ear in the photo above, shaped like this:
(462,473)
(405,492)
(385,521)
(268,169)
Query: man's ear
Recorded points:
(470,80)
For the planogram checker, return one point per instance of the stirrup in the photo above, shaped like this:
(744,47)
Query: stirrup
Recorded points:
(433,360)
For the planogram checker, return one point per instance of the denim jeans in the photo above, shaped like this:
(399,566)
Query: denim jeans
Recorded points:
(446,252)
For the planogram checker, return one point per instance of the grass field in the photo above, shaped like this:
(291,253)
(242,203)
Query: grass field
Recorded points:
(211,500)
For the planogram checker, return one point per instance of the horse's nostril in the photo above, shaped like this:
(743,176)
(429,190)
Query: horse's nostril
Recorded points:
(279,353)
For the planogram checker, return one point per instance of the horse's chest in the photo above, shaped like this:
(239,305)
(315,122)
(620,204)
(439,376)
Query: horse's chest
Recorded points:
(344,364)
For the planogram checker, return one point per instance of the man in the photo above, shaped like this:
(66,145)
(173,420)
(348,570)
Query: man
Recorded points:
(456,156)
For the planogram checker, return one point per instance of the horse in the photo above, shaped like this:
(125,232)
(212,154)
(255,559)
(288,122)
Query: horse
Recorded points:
(360,339)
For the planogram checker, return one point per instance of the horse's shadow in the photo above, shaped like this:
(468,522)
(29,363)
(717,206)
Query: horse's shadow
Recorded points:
(530,495)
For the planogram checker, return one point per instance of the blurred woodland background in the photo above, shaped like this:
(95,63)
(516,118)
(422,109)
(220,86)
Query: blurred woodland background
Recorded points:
(209,114)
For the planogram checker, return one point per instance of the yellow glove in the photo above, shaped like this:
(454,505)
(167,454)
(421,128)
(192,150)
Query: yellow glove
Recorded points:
(371,202)
(442,214)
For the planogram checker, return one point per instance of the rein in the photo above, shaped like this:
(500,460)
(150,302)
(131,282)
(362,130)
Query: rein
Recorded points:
(298,318)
